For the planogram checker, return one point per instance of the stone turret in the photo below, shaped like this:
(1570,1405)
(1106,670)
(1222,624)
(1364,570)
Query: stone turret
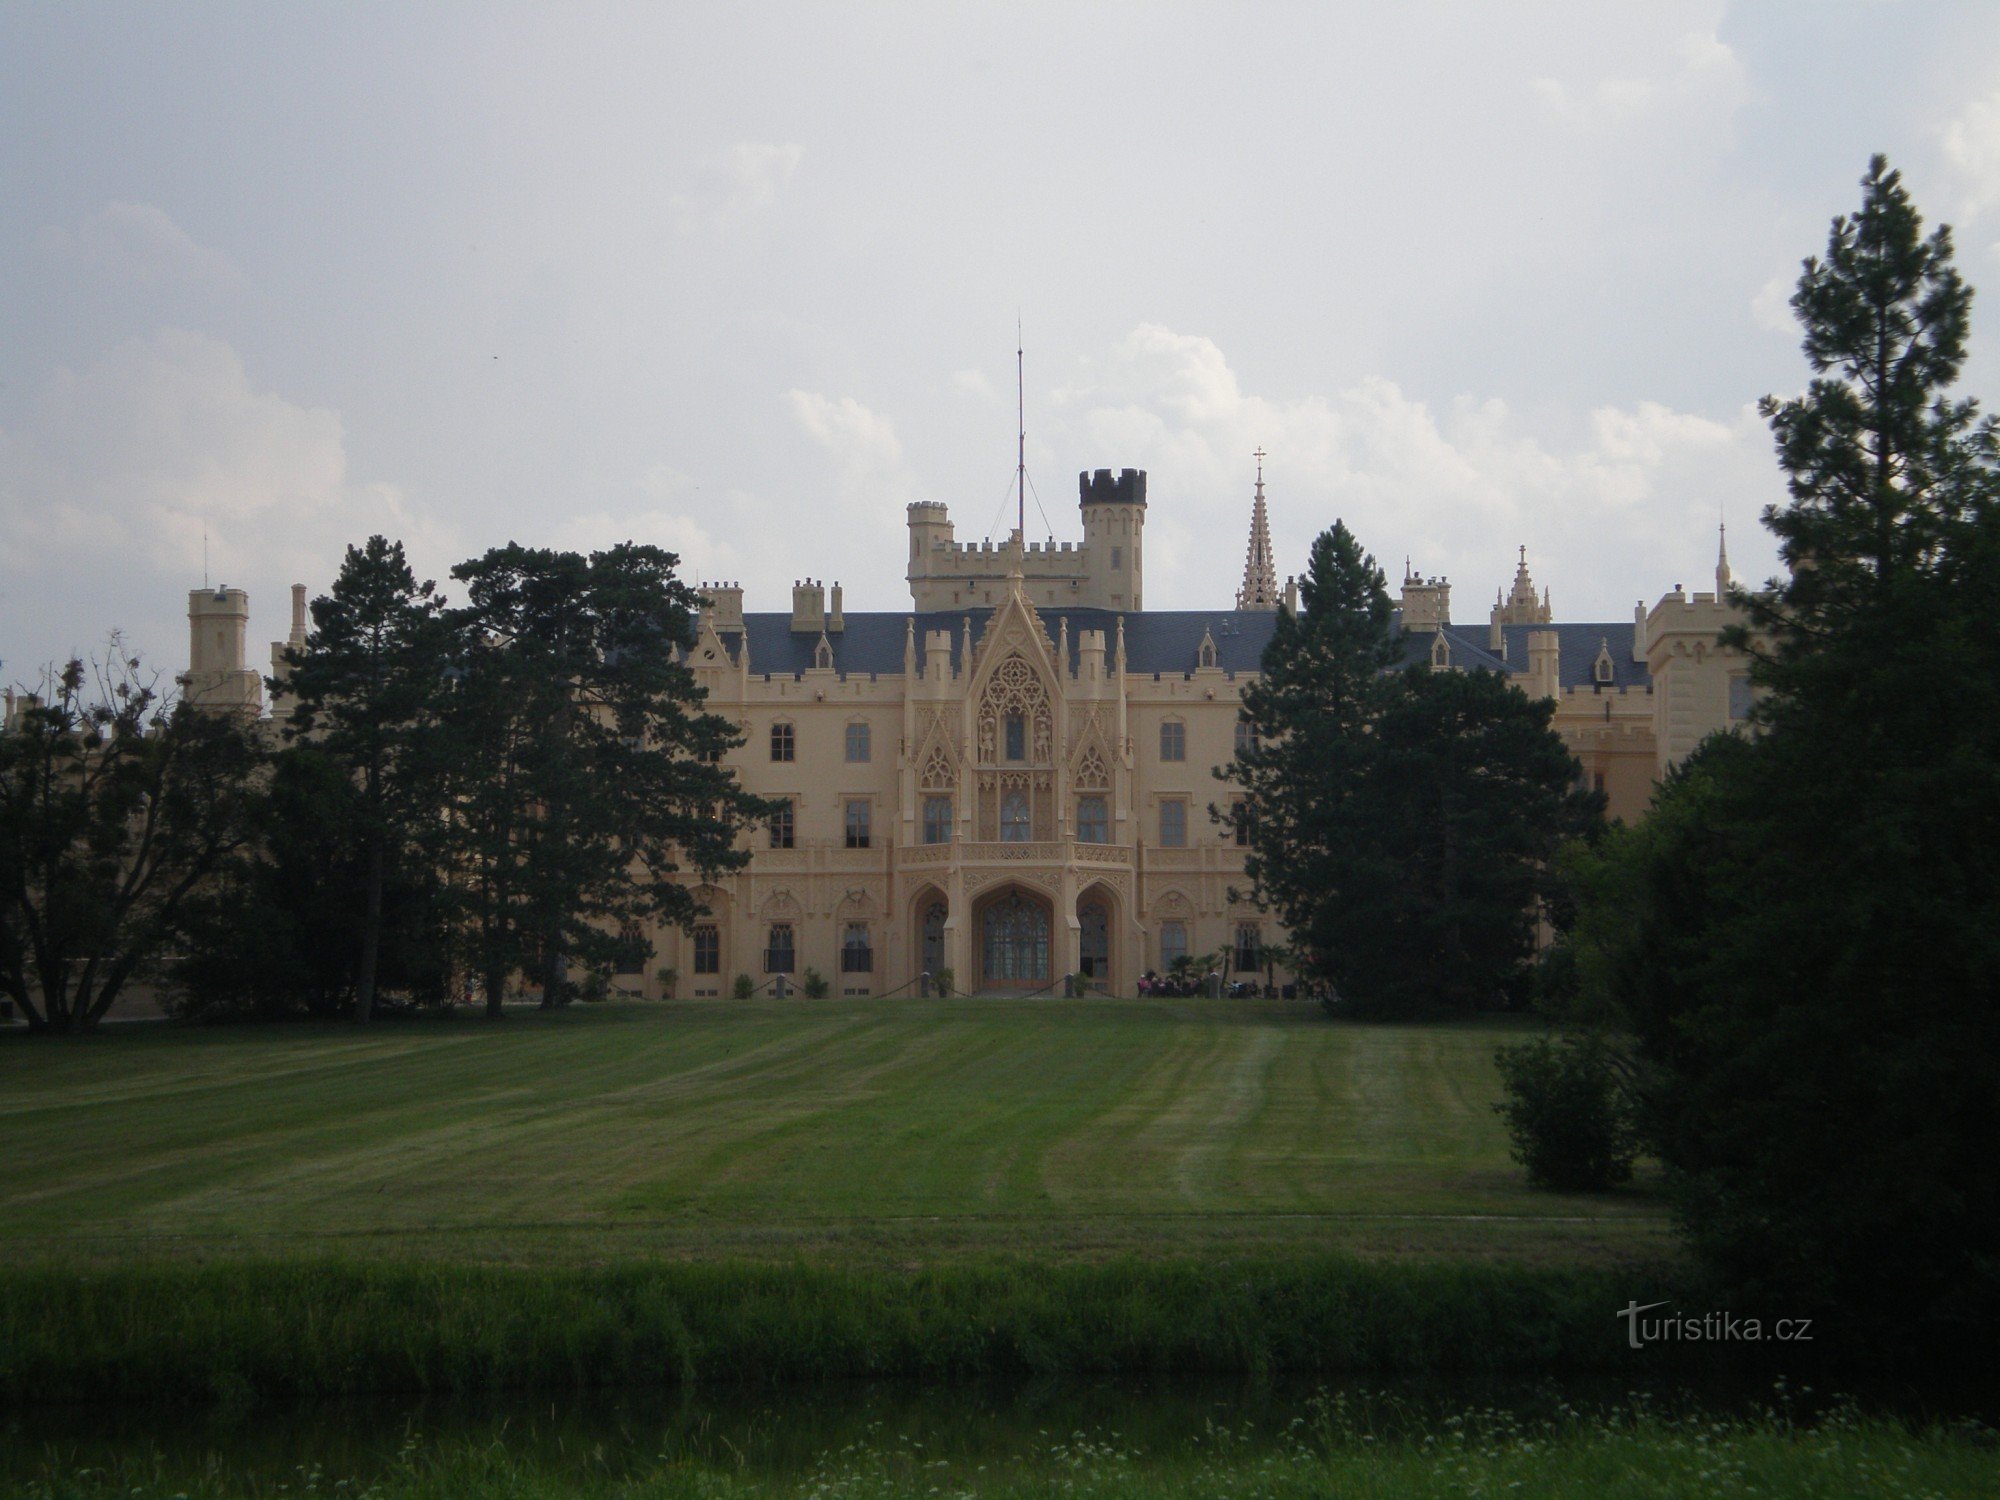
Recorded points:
(281,670)
(1114,523)
(216,678)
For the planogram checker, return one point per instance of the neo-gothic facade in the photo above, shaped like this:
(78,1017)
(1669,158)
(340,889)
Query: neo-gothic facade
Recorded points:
(1012,780)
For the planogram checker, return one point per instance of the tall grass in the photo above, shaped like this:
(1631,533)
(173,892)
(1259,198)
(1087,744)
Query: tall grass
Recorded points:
(1486,1451)
(327,1327)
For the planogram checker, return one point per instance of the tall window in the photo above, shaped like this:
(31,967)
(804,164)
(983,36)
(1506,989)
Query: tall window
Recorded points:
(1239,822)
(856,957)
(1249,948)
(857,824)
(1740,698)
(782,826)
(857,742)
(1173,824)
(778,951)
(1246,736)
(1173,740)
(632,949)
(1093,825)
(1014,826)
(1017,737)
(1173,943)
(707,949)
(937,820)
(783,745)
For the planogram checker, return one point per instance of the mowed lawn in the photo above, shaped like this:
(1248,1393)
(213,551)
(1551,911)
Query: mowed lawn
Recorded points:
(866,1130)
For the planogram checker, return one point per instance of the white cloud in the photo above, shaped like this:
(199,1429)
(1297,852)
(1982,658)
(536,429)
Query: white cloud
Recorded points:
(1771,308)
(866,453)
(746,179)
(126,478)
(1972,146)
(1613,504)
(1700,73)
(665,519)
(139,242)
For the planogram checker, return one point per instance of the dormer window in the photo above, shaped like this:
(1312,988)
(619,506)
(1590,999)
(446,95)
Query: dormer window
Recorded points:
(1205,653)
(1440,651)
(1602,671)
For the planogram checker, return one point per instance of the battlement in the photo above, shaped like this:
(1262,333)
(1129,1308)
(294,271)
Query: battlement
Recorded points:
(1101,487)
(1103,571)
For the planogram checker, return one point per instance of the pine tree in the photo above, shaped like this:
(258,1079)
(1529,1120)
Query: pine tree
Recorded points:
(370,684)
(1805,933)
(1400,823)
(585,773)
(1309,710)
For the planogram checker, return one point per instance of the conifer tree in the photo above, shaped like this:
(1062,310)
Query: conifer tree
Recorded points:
(369,685)
(1803,937)
(1309,710)
(1399,823)
(585,774)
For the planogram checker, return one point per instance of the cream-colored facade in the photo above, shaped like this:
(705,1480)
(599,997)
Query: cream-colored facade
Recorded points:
(1012,780)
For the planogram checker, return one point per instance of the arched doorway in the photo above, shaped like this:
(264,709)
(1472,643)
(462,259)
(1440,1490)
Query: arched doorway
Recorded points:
(1094,943)
(1014,942)
(931,911)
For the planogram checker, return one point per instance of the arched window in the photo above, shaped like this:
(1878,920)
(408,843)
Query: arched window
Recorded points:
(1015,942)
(1015,825)
(1173,943)
(1173,740)
(707,949)
(784,744)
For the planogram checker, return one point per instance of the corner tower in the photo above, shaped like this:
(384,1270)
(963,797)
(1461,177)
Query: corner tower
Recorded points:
(216,678)
(1114,524)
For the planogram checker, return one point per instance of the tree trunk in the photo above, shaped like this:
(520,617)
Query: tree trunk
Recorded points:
(371,933)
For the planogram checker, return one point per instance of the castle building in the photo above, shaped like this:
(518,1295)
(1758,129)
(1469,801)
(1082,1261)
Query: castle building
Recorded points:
(1012,780)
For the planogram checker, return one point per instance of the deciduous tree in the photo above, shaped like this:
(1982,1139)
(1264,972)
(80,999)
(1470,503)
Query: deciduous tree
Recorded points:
(115,805)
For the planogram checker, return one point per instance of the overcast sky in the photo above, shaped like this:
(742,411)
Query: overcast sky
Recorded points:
(742,281)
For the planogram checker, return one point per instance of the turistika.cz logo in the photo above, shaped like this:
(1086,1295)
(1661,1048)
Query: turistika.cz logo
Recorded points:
(1708,1328)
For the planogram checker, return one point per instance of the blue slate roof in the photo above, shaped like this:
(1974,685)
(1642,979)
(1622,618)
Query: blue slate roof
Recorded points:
(1155,640)
(1163,642)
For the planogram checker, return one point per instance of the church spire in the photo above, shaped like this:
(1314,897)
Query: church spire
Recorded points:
(1723,578)
(1260,574)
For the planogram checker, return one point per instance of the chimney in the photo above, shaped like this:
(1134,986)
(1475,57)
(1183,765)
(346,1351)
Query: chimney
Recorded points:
(808,607)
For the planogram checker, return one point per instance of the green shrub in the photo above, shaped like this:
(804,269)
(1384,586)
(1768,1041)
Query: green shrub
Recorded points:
(669,978)
(1567,1115)
(816,987)
(743,989)
(943,980)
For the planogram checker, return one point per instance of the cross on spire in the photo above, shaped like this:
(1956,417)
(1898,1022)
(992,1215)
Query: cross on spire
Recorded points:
(1260,573)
